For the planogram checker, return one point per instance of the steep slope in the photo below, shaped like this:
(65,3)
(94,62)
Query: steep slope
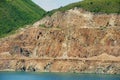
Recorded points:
(16,13)
(72,41)
(104,6)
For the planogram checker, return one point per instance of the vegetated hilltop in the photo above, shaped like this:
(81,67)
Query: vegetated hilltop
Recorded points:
(104,6)
(17,13)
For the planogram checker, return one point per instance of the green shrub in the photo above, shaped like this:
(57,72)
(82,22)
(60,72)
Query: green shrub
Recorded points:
(104,6)
(17,13)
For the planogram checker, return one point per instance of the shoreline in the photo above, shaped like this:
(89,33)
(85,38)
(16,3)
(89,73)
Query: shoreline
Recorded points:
(84,72)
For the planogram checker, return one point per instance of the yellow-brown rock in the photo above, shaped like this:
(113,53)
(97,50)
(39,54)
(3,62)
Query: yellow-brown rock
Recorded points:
(71,41)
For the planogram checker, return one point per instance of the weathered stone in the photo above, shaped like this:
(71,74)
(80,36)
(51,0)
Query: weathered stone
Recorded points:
(72,35)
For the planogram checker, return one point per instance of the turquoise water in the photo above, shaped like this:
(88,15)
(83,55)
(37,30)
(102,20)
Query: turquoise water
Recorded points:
(55,76)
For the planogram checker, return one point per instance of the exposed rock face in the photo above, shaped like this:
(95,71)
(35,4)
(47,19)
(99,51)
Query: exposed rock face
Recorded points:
(80,18)
(70,42)
(70,36)
(61,66)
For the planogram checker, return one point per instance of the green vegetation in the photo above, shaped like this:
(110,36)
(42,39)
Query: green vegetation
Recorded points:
(103,27)
(104,6)
(43,25)
(17,13)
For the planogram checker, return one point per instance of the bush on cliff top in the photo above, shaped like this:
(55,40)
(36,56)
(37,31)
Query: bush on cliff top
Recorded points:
(104,6)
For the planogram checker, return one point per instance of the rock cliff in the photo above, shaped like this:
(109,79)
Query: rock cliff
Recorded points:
(72,41)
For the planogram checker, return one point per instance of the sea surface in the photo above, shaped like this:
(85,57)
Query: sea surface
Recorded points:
(55,76)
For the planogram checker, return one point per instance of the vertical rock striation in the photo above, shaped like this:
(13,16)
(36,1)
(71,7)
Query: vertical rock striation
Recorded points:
(70,41)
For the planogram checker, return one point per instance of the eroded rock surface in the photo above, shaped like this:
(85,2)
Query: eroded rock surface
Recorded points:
(71,41)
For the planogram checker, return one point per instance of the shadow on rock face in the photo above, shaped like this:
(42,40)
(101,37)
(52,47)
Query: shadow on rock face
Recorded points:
(19,50)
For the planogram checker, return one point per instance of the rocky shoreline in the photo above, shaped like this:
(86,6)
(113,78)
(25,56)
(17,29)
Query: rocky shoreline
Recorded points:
(63,65)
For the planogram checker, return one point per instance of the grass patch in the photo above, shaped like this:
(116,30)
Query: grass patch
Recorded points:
(102,6)
(17,13)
